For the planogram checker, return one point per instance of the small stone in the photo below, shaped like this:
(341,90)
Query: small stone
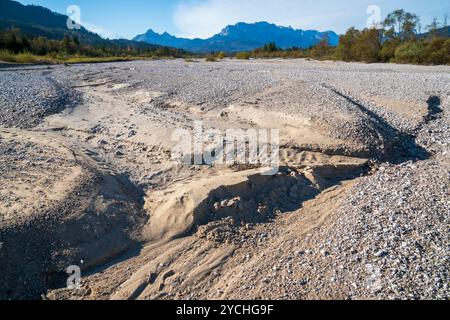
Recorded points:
(303,282)
(132,133)
(381,253)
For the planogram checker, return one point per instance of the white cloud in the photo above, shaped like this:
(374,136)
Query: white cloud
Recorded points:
(105,33)
(203,18)
(74,14)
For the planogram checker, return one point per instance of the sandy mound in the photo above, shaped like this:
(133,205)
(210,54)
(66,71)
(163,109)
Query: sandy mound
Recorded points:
(245,196)
(58,208)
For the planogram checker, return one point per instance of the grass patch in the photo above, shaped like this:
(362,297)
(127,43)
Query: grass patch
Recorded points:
(80,59)
(29,58)
(19,58)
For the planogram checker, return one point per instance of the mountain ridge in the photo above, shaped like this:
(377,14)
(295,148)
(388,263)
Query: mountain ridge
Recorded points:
(34,20)
(242,37)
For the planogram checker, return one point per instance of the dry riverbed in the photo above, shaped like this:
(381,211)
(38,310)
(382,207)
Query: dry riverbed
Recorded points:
(358,210)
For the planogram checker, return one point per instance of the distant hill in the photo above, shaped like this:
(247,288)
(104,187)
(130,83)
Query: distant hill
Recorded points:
(244,37)
(441,32)
(39,21)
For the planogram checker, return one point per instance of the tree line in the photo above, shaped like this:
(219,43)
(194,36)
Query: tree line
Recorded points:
(399,40)
(13,40)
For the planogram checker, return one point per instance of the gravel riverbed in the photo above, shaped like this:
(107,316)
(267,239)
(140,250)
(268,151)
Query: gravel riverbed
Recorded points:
(384,235)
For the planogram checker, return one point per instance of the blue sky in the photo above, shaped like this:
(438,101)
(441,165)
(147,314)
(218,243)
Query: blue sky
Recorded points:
(203,18)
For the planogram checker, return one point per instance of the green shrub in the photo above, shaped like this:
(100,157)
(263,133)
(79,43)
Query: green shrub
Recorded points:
(211,58)
(243,55)
(321,51)
(410,52)
(270,47)
(438,51)
(387,52)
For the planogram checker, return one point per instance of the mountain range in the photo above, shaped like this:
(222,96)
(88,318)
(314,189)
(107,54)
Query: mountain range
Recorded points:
(243,37)
(39,21)
(441,32)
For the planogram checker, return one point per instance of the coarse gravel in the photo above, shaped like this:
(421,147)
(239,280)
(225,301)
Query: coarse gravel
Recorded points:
(27,97)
